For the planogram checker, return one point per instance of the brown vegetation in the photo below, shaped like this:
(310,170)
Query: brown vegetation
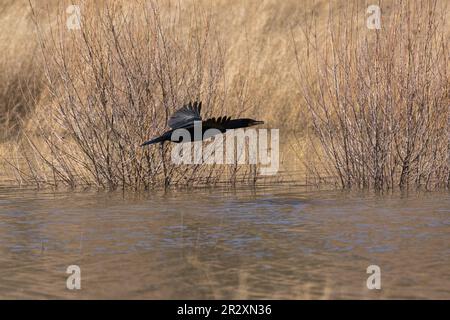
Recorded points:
(369,108)
(379,100)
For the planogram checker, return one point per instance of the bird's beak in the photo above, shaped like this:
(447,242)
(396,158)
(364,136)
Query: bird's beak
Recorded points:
(255,123)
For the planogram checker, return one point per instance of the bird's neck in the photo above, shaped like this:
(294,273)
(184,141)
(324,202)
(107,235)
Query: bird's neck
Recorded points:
(236,124)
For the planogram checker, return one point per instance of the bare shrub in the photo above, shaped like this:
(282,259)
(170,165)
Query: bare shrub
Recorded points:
(110,86)
(379,102)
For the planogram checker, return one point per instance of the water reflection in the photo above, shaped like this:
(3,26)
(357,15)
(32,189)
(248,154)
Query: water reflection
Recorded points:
(281,242)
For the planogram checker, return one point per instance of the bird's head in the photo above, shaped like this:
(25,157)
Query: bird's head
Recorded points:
(251,122)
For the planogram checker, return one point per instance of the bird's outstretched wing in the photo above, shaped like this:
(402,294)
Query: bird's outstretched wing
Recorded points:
(186,115)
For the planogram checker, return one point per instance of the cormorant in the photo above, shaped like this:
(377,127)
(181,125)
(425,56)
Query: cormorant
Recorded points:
(185,117)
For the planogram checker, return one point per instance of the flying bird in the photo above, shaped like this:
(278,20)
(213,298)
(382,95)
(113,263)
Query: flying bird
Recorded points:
(185,117)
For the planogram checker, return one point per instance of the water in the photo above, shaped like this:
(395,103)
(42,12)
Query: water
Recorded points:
(270,242)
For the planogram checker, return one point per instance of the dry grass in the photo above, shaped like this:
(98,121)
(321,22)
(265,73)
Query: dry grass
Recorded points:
(19,79)
(84,100)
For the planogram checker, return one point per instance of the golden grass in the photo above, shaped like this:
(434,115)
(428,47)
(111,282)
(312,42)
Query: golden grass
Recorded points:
(19,77)
(84,100)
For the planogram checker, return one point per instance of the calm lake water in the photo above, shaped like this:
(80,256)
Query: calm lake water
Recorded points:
(269,242)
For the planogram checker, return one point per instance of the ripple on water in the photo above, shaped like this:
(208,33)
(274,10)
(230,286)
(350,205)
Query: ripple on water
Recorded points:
(267,243)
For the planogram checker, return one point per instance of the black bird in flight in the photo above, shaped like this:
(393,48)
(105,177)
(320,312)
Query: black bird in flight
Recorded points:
(184,118)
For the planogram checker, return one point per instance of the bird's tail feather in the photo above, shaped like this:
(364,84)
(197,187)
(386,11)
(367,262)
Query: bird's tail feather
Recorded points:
(156,140)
